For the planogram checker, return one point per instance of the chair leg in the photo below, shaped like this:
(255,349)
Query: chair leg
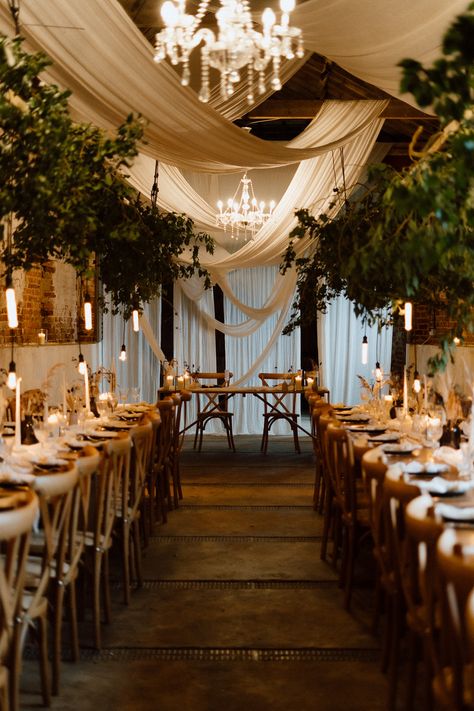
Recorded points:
(106,588)
(328,515)
(137,553)
(44,663)
(75,652)
(349,567)
(15,668)
(97,565)
(57,636)
(294,427)
(126,561)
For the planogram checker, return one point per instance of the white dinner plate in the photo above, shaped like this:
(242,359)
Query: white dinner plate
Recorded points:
(402,448)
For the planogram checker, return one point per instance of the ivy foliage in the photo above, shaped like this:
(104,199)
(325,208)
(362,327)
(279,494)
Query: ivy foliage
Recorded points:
(411,234)
(64,183)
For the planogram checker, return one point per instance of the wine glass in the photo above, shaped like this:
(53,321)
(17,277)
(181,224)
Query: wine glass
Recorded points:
(102,406)
(434,431)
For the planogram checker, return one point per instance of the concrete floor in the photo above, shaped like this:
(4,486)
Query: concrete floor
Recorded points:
(237,611)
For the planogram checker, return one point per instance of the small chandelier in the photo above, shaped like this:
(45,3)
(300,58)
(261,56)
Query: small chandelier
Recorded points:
(236,46)
(245,214)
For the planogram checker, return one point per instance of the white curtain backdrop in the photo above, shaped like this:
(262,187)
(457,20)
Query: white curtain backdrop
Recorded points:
(273,351)
(340,336)
(142,367)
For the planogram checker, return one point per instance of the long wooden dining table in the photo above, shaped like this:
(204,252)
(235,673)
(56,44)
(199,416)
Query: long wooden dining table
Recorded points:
(257,391)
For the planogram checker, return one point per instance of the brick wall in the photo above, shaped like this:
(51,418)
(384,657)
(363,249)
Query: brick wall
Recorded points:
(429,325)
(49,298)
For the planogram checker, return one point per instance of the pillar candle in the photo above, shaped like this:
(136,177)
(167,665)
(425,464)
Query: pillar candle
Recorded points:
(18,413)
(405,391)
(425,393)
(86,390)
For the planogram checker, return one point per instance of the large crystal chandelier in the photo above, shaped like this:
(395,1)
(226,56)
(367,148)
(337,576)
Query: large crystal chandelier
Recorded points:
(236,46)
(244,214)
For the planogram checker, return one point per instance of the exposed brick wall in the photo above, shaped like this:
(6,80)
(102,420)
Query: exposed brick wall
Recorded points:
(49,297)
(429,325)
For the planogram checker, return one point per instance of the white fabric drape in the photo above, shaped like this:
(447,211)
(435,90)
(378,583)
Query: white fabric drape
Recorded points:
(340,336)
(142,367)
(338,122)
(370,37)
(266,350)
(102,57)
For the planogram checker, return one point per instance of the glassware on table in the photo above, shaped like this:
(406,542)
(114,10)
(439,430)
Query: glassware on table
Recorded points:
(42,431)
(434,431)
(113,401)
(103,407)
(134,394)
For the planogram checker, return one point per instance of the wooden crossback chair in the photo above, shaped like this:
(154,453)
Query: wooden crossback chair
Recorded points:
(213,406)
(279,406)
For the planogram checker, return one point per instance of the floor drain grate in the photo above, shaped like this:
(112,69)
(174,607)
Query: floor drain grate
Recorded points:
(235,584)
(249,507)
(234,539)
(220,654)
(252,484)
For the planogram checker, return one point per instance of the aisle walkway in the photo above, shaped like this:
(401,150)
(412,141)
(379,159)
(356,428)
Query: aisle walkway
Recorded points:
(237,611)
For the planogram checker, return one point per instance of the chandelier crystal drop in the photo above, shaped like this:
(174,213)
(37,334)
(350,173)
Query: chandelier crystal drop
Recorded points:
(244,214)
(237,44)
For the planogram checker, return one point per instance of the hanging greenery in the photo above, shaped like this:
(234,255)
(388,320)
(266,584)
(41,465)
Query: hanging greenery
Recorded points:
(134,271)
(64,184)
(411,234)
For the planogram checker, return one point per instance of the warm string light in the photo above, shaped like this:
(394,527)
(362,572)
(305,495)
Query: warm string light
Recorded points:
(81,367)
(11,378)
(365,351)
(378,372)
(416,383)
(135,320)
(87,313)
(12,313)
(408,311)
(123,350)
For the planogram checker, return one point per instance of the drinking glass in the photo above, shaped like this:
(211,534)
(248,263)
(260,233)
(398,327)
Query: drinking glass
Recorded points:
(134,394)
(42,431)
(434,431)
(102,407)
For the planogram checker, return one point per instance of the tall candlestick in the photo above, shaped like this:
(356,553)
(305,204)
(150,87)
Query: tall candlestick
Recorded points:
(86,390)
(18,413)
(64,395)
(425,393)
(405,391)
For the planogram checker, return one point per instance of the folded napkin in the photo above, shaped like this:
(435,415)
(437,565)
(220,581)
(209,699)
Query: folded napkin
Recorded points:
(16,470)
(455,513)
(441,486)
(449,455)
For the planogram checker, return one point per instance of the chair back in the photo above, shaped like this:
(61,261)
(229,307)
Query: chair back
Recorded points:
(397,493)
(419,571)
(106,490)
(212,404)
(338,462)
(15,529)
(283,403)
(455,561)
(87,464)
(142,437)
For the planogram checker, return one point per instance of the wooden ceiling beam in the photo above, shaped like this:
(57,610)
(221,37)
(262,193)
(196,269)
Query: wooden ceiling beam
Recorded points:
(307,109)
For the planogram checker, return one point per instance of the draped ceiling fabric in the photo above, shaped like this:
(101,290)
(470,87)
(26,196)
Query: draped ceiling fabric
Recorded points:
(102,57)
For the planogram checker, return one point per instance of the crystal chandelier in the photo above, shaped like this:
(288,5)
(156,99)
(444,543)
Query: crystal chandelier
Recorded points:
(245,214)
(236,46)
